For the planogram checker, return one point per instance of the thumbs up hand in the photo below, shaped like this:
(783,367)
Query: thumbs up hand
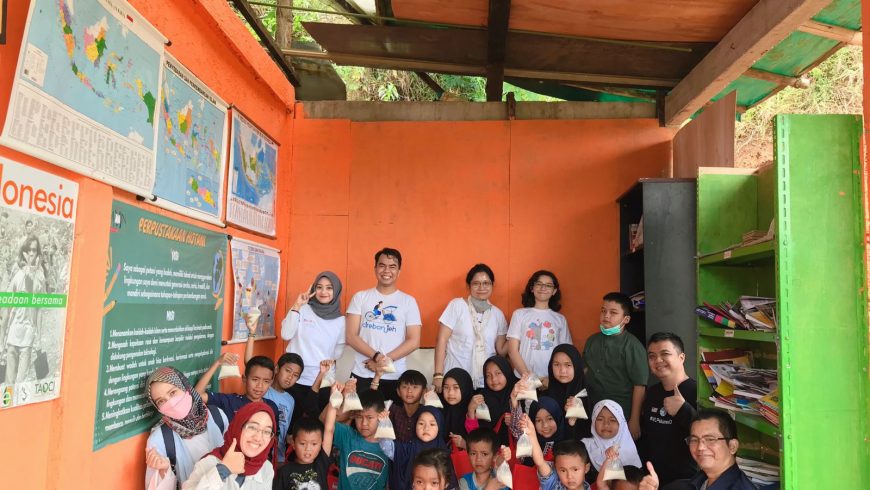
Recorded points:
(234,460)
(651,481)
(675,402)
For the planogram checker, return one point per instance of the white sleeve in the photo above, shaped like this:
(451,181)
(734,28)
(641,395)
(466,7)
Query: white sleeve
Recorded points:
(290,325)
(501,323)
(205,476)
(339,346)
(355,306)
(450,317)
(515,329)
(413,316)
(567,339)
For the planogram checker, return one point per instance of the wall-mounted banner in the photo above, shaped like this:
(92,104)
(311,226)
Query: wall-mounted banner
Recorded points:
(256,273)
(86,90)
(191,141)
(252,182)
(163,297)
(37,221)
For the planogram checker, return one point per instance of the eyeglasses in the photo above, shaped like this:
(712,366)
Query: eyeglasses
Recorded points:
(254,428)
(481,284)
(545,286)
(707,440)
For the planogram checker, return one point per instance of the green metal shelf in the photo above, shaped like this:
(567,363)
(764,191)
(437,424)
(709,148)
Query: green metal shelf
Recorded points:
(737,334)
(741,255)
(755,422)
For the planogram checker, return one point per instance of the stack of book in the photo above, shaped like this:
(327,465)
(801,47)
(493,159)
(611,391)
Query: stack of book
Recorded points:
(740,387)
(638,301)
(764,475)
(748,313)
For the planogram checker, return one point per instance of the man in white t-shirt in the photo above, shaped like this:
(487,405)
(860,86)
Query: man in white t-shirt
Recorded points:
(383,324)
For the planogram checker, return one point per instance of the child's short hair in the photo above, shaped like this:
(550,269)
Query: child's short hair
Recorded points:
(291,358)
(373,399)
(307,424)
(413,378)
(261,361)
(570,447)
(667,337)
(435,458)
(633,474)
(483,434)
(621,299)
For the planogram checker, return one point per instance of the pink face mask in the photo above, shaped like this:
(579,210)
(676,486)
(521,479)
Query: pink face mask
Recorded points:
(178,406)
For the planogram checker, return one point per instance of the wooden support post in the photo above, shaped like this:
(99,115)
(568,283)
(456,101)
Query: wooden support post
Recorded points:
(497,27)
(762,28)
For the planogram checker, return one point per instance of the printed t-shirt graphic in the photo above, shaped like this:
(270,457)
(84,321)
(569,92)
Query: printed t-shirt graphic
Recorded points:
(383,323)
(364,469)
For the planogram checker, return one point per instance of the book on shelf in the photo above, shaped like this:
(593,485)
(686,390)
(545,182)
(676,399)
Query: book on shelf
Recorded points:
(635,234)
(759,472)
(729,356)
(748,313)
(740,387)
(638,300)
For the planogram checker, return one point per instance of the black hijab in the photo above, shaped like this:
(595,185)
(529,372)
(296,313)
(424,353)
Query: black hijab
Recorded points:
(561,391)
(454,415)
(499,402)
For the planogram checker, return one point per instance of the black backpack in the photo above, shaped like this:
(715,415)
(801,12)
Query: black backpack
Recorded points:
(169,440)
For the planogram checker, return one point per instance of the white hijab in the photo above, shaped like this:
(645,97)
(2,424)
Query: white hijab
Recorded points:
(597,445)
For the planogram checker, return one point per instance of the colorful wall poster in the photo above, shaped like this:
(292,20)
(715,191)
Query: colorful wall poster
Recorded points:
(256,273)
(37,222)
(86,90)
(163,306)
(191,141)
(253,179)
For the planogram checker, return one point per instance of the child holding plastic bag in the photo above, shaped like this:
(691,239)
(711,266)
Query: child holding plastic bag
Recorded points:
(610,429)
(428,434)
(499,383)
(566,382)
(485,456)
(549,425)
(457,394)
(570,463)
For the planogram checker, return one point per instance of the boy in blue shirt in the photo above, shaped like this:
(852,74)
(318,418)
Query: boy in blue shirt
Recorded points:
(569,466)
(259,372)
(484,454)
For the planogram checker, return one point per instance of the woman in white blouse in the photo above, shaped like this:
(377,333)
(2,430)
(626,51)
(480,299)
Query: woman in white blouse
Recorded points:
(472,329)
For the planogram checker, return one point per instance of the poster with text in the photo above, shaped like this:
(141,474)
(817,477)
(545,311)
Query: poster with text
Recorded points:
(191,140)
(253,178)
(257,272)
(163,306)
(37,221)
(86,89)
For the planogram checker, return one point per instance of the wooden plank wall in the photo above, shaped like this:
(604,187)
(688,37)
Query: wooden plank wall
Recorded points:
(707,141)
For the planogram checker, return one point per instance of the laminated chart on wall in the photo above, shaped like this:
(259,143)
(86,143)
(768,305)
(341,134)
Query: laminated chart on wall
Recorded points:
(256,274)
(253,179)
(163,306)
(86,90)
(37,225)
(191,141)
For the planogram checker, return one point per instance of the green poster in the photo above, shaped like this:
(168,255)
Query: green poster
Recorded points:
(165,292)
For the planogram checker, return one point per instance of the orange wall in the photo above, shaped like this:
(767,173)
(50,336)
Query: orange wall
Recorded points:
(49,444)
(519,196)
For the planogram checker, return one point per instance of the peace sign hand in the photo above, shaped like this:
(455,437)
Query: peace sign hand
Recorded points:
(302,299)
(675,402)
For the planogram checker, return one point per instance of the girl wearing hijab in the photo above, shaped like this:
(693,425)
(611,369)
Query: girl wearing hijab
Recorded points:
(242,462)
(549,420)
(315,328)
(194,428)
(609,428)
(429,434)
(471,330)
(456,394)
(566,380)
(499,383)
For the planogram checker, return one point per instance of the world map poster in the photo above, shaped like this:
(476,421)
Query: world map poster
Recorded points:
(86,90)
(191,140)
(253,178)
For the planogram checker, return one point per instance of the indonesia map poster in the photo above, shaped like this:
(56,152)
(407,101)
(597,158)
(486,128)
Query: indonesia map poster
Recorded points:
(86,90)
(191,141)
(37,226)
(256,274)
(253,178)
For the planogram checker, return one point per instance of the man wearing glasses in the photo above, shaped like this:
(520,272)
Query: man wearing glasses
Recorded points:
(713,444)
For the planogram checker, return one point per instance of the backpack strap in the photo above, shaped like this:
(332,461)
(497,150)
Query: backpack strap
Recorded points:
(169,443)
(216,415)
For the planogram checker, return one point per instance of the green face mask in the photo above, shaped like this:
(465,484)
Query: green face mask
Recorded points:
(610,331)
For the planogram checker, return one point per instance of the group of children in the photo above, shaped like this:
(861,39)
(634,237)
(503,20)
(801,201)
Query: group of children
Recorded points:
(527,426)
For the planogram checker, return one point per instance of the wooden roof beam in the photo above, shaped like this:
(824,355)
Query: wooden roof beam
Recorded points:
(267,39)
(497,30)
(829,31)
(783,80)
(762,28)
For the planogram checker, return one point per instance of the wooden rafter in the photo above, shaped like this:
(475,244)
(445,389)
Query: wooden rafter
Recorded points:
(828,31)
(784,80)
(768,23)
(497,29)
